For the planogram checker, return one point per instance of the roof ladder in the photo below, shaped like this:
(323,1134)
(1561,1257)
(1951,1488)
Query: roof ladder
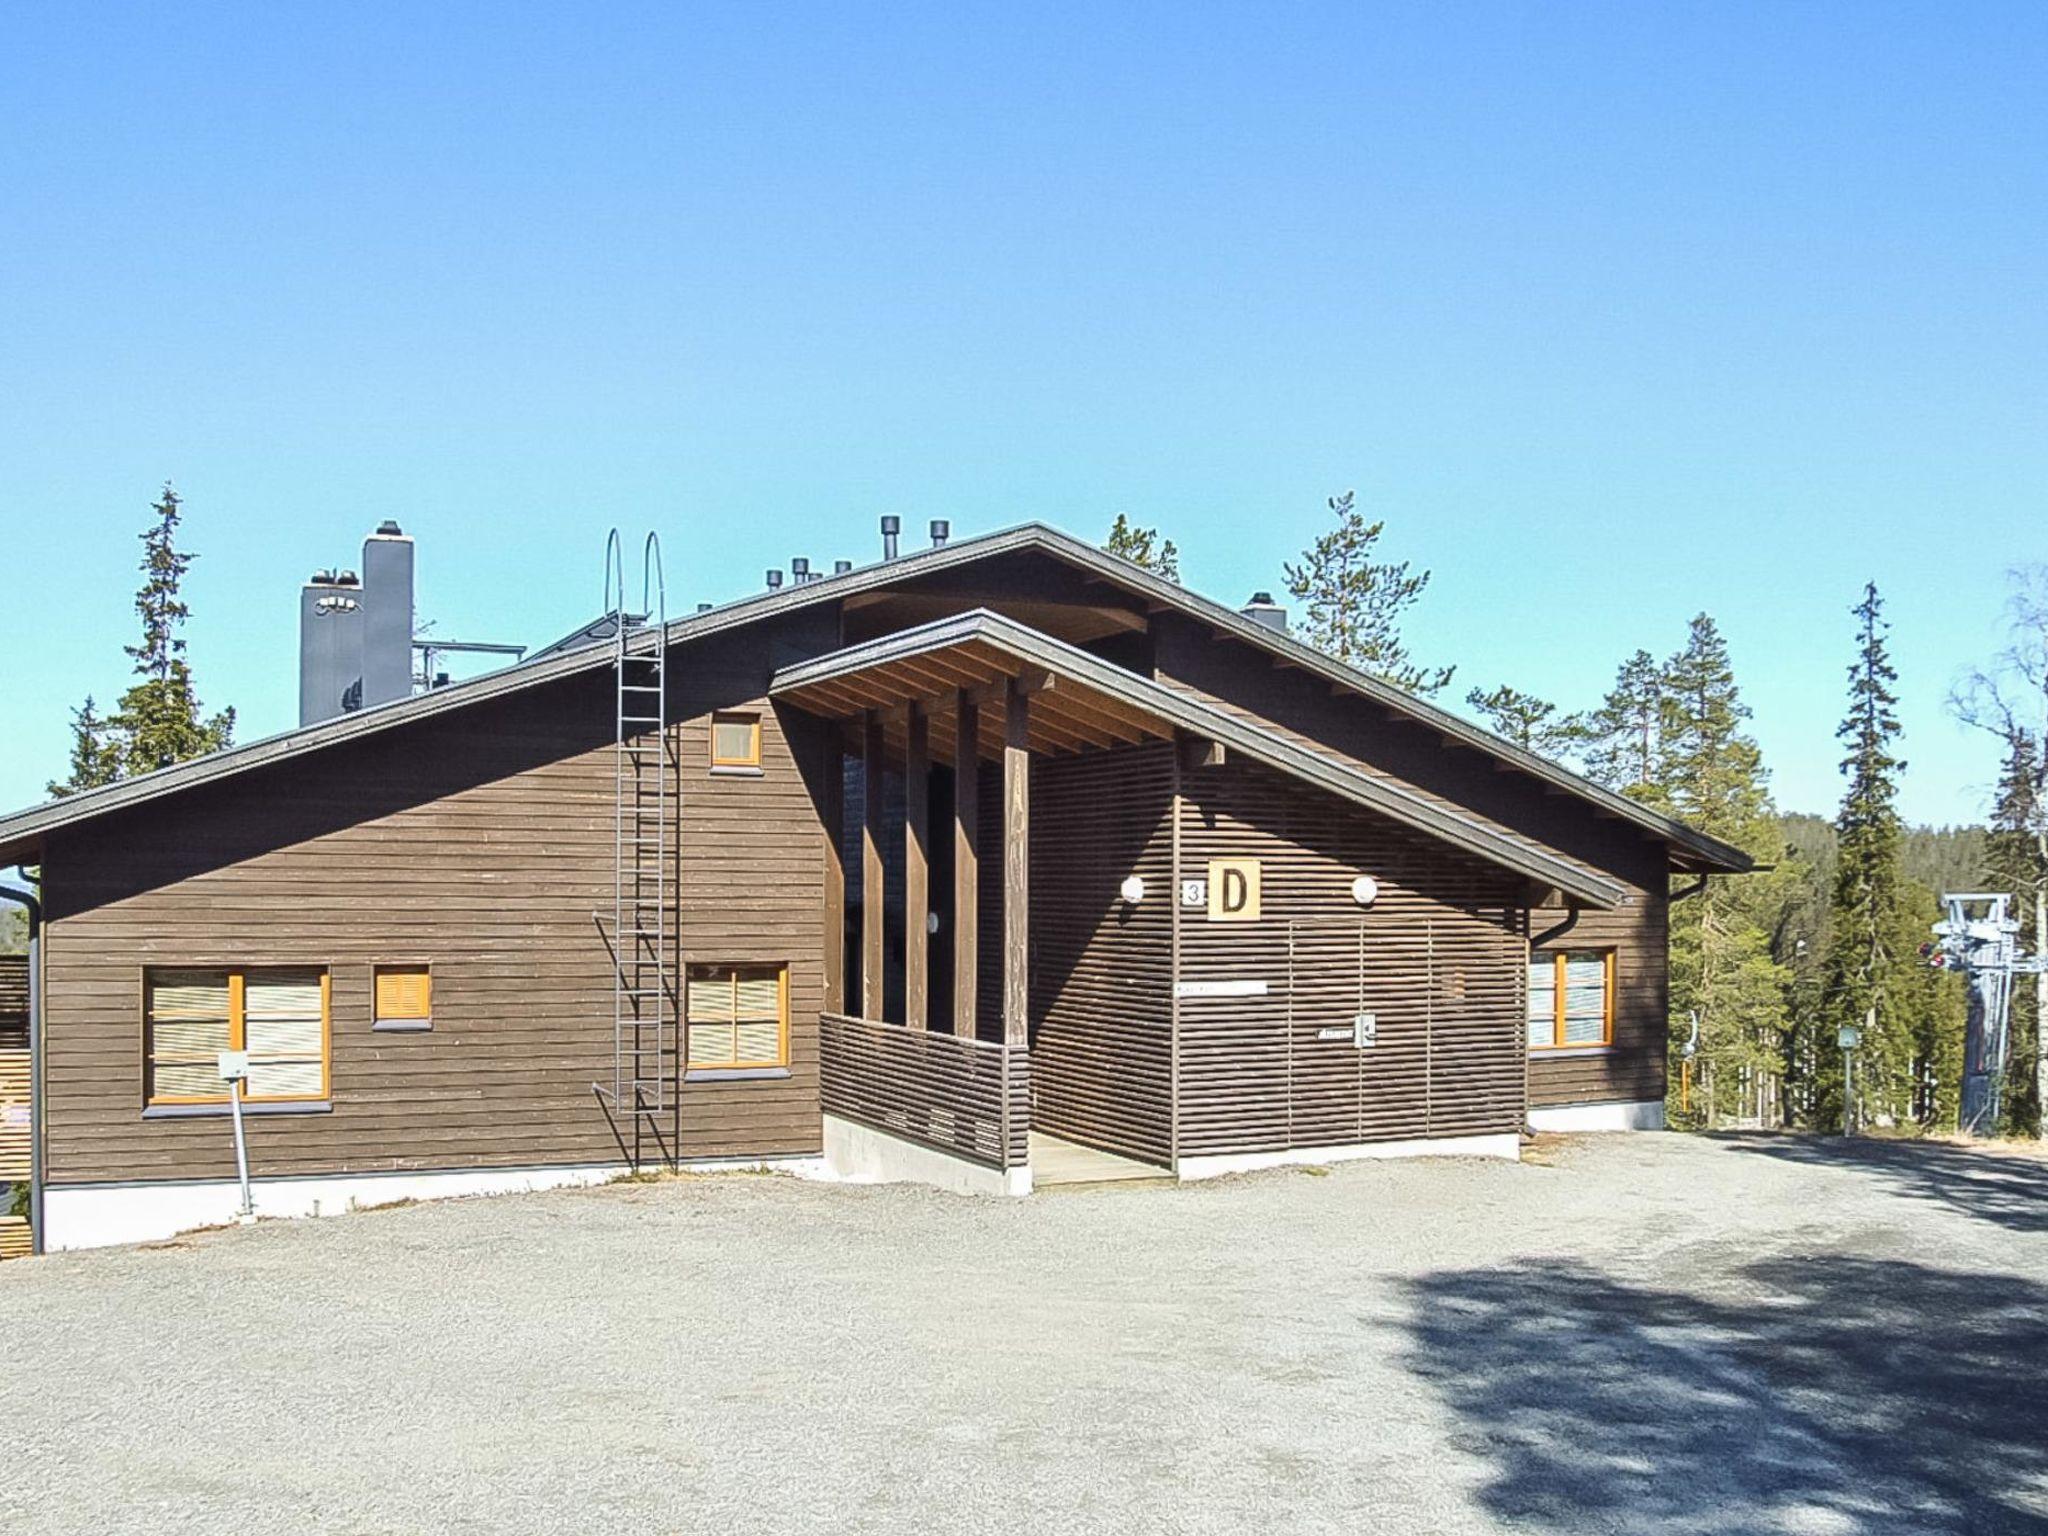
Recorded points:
(642,1097)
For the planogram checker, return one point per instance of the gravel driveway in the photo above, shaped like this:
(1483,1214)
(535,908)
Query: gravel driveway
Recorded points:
(1640,1334)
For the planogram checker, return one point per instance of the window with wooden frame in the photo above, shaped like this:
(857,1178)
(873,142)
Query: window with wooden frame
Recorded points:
(278,1014)
(404,998)
(1571,999)
(737,1018)
(735,740)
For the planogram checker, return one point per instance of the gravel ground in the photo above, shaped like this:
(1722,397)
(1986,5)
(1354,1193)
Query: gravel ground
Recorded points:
(1629,1334)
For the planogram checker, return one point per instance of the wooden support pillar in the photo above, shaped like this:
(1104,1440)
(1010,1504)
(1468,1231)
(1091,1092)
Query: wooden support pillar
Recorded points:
(1016,866)
(917,867)
(966,864)
(871,883)
(832,813)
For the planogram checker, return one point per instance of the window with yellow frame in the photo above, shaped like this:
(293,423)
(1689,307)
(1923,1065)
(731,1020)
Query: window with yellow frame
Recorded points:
(735,740)
(737,1018)
(278,1014)
(404,998)
(1571,999)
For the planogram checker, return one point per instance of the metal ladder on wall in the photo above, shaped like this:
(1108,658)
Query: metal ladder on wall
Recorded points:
(646,1014)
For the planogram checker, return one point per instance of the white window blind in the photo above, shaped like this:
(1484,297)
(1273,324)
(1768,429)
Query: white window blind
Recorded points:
(736,1016)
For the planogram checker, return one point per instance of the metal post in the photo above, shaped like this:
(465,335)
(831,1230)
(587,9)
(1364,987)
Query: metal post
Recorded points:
(248,1210)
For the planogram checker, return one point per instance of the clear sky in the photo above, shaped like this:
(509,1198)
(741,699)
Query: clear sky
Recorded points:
(1615,312)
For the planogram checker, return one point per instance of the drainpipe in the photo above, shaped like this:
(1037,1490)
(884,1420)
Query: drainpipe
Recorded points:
(34,907)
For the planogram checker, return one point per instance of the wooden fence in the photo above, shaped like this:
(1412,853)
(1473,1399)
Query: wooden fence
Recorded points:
(969,1098)
(14,1106)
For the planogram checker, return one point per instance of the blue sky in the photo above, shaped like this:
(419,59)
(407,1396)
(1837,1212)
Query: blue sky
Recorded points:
(1615,312)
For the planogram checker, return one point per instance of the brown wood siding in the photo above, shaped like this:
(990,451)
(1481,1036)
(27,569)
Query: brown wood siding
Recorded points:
(1232,676)
(1634,1066)
(1439,959)
(968,1098)
(14,1073)
(479,842)
(1102,971)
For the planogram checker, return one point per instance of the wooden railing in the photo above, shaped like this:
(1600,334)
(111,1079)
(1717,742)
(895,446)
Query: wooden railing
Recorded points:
(969,1098)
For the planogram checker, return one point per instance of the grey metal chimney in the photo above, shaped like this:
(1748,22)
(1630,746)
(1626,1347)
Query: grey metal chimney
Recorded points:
(891,527)
(387,615)
(799,570)
(775,581)
(942,530)
(1263,610)
(330,646)
(841,567)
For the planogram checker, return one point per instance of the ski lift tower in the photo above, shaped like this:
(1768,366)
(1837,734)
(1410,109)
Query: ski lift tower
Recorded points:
(1980,938)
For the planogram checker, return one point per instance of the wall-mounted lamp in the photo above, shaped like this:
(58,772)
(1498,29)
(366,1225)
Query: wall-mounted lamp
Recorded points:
(931,922)
(1133,889)
(1365,890)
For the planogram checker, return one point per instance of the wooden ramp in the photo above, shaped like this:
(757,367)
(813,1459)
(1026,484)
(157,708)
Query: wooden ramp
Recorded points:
(1054,1161)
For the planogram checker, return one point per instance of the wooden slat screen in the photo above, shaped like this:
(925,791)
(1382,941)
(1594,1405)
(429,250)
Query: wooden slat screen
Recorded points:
(970,1098)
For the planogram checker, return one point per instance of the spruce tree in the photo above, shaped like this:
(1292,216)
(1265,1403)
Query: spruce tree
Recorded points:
(1871,945)
(1623,738)
(1144,547)
(158,721)
(1355,603)
(1706,768)
(159,717)
(95,752)
(2016,860)
(1529,722)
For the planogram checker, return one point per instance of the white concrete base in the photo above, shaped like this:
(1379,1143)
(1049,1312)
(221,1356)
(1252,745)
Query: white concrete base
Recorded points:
(1507,1146)
(860,1154)
(99,1215)
(1630,1115)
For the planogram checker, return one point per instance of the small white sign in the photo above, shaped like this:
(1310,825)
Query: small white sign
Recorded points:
(1365,1030)
(234,1065)
(1219,989)
(1848,1037)
(1194,893)
(1339,1033)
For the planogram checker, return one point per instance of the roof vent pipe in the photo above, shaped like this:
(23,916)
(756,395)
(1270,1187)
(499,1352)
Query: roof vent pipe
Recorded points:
(841,567)
(775,581)
(891,527)
(1263,610)
(799,569)
(941,531)
(703,607)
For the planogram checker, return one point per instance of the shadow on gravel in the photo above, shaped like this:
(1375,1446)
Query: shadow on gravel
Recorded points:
(1999,1187)
(1834,1396)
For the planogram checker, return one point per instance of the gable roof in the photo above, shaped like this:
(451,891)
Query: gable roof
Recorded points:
(20,831)
(980,646)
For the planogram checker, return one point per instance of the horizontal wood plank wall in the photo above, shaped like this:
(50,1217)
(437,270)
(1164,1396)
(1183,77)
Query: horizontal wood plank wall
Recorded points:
(1438,959)
(967,1098)
(479,843)
(1102,970)
(1231,676)
(1634,1067)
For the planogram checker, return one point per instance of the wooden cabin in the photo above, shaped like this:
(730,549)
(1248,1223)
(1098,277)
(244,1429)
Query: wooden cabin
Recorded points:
(998,856)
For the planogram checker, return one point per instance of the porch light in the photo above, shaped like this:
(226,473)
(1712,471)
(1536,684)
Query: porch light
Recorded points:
(1365,890)
(1133,889)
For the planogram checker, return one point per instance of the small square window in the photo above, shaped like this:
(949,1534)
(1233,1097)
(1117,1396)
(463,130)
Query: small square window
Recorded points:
(735,741)
(405,997)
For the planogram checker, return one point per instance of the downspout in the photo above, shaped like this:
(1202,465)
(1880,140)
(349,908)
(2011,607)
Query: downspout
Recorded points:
(34,907)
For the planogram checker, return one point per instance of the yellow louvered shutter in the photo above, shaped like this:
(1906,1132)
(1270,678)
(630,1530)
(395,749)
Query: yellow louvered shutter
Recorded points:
(404,993)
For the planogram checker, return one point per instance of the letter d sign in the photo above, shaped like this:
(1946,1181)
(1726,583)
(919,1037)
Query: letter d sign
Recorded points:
(1233,890)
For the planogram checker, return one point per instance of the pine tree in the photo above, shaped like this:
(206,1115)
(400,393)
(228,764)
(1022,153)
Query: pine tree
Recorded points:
(1870,945)
(95,752)
(159,717)
(1144,547)
(1529,722)
(1624,736)
(1354,603)
(1704,767)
